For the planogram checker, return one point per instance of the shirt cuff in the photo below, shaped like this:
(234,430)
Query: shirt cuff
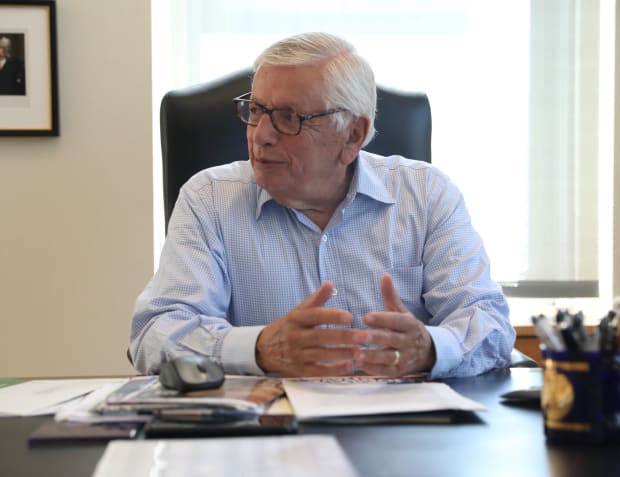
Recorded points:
(447,351)
(238,350)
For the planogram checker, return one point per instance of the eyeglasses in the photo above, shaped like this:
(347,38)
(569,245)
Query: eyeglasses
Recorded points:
(284,120)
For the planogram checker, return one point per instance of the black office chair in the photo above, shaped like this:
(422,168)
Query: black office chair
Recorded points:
(200,129)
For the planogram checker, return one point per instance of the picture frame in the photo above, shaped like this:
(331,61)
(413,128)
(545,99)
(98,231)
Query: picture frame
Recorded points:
(28,69)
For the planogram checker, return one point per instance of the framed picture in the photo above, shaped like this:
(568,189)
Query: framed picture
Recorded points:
(28,72)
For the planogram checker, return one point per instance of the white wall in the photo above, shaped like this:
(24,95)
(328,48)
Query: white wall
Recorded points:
(76,211)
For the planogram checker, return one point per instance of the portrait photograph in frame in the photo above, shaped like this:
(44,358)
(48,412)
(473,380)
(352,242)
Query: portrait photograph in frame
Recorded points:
(28,69)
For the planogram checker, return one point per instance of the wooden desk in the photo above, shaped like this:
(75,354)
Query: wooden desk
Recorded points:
(528,343)
(508,441)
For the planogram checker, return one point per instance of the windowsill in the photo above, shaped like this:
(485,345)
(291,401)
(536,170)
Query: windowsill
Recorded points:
(522,309)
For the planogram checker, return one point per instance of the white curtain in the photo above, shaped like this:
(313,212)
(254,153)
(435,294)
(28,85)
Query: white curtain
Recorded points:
(515,95)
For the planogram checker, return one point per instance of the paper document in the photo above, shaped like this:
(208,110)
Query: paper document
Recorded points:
(84,409)
(283,456)
(45,396)
(313,398)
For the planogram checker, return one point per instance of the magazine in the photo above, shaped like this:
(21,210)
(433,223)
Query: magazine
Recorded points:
(146,394)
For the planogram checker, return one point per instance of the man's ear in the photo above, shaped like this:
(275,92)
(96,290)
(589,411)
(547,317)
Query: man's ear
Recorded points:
(357,133)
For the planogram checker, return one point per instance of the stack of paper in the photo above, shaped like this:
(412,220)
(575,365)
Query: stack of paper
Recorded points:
(47,396)
(146,394)
(319,398)
(285,456)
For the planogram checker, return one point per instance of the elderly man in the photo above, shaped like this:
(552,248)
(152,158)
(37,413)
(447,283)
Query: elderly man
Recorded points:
(315,257)
(12,74)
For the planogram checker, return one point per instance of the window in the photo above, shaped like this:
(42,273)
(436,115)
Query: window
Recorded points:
(521,95)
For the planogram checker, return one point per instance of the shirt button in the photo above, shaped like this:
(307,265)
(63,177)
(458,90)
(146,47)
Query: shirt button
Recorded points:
(324,238)
(334,292)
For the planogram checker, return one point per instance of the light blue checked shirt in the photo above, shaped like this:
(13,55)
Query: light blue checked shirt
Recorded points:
(234,260)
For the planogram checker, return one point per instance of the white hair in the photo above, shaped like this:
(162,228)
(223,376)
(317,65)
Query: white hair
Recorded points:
(5,43)
(349,79)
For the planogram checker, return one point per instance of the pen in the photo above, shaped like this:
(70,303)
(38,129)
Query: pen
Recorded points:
(574,333)
(547,334)
(561,316)
(614,316)
(567,326)
(205,415)
(608,328)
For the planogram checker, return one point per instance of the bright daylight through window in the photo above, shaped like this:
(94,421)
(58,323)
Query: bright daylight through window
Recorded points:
(520,93)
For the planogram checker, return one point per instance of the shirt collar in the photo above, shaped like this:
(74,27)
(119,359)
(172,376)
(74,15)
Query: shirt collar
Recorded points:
(365,181)
(262,199)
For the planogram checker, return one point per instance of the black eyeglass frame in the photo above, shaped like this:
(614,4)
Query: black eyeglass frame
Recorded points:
(245,98)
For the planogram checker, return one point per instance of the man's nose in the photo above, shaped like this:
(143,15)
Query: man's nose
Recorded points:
(264,131)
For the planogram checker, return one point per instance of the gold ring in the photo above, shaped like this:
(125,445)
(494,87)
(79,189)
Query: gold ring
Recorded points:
(396,358)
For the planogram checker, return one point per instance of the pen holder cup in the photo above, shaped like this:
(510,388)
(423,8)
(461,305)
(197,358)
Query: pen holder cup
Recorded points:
(581,396)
